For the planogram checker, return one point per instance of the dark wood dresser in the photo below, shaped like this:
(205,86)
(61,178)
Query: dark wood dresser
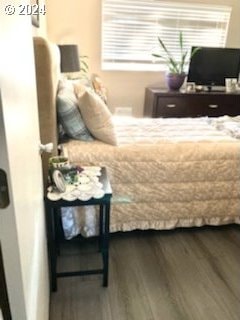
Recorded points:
(166,104)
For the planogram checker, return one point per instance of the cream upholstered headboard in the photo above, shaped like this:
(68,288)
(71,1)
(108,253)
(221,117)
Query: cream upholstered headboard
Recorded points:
(47,64)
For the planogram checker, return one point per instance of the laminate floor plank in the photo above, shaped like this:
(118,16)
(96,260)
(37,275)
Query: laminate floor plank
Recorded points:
(184,274)
(129,285)
(187,278)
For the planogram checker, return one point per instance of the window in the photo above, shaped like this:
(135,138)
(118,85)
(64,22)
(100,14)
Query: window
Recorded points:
(130,29)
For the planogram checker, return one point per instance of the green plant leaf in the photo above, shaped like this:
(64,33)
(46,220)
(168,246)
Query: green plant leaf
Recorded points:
(83,63)
(156,55)
(174,65)
(181,41)
(194,51)
(83,70)
(183,60)
(164,47)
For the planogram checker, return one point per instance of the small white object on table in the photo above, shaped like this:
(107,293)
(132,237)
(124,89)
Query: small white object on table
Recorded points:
(87,186)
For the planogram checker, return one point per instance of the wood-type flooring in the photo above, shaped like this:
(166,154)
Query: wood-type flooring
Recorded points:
(184,274)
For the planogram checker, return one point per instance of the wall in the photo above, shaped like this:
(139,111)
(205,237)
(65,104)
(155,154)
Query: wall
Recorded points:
(80,22)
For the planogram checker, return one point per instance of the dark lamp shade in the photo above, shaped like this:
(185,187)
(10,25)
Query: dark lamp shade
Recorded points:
(69,58)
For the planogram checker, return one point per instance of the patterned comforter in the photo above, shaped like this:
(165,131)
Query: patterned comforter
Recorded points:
(167,173)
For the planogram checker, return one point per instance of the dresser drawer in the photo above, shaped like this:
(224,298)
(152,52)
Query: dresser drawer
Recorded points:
(197,106)
(223,105)
(177,107)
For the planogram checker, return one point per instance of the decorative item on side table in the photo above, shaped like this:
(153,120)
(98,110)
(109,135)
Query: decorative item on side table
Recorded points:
(85,186)
(175,76)
(71,182)
(58,162)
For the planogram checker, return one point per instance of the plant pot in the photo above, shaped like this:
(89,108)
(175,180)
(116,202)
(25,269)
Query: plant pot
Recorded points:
(58,162)
(175,80)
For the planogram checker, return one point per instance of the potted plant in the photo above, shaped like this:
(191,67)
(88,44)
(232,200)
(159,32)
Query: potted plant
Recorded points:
(176,75)
(58,162)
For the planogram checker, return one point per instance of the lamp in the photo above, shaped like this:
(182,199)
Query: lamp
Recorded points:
(69,58)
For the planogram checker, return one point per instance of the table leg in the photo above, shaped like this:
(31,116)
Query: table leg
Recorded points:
(100,243)
(52,253)
(105,246)
(58,229)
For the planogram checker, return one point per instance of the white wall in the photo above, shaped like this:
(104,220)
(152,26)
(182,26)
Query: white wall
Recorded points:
(80,22)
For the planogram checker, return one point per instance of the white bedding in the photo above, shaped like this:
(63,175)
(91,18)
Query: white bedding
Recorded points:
(165,173)
(229,125)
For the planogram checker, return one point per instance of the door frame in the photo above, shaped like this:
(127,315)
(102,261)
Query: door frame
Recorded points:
(4,301)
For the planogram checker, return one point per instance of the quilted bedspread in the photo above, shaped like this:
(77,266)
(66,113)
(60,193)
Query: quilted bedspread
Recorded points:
(167,173)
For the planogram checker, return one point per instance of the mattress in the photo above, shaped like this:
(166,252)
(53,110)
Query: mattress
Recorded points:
(167,173)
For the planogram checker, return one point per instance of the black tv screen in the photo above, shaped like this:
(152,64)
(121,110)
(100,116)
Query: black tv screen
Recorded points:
(210,66)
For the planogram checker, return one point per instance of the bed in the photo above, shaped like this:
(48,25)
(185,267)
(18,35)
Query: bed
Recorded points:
(165,173)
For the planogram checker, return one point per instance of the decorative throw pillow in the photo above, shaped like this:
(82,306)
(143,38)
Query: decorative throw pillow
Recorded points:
(68,113)
(99,87)
(96,115)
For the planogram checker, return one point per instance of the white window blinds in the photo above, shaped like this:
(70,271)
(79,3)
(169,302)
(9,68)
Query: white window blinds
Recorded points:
(130,29)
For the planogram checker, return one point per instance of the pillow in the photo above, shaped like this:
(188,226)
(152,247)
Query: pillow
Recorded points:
(99,87)
(68,113)
(96,115)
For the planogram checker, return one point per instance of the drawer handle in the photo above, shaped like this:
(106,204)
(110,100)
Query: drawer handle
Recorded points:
(213,106)
(171,105)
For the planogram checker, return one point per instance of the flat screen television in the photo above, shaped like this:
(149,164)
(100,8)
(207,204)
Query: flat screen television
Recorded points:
(210,66)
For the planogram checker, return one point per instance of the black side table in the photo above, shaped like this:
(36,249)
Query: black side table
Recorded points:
(52,215)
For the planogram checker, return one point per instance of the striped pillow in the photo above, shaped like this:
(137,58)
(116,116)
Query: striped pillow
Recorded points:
(69,115)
